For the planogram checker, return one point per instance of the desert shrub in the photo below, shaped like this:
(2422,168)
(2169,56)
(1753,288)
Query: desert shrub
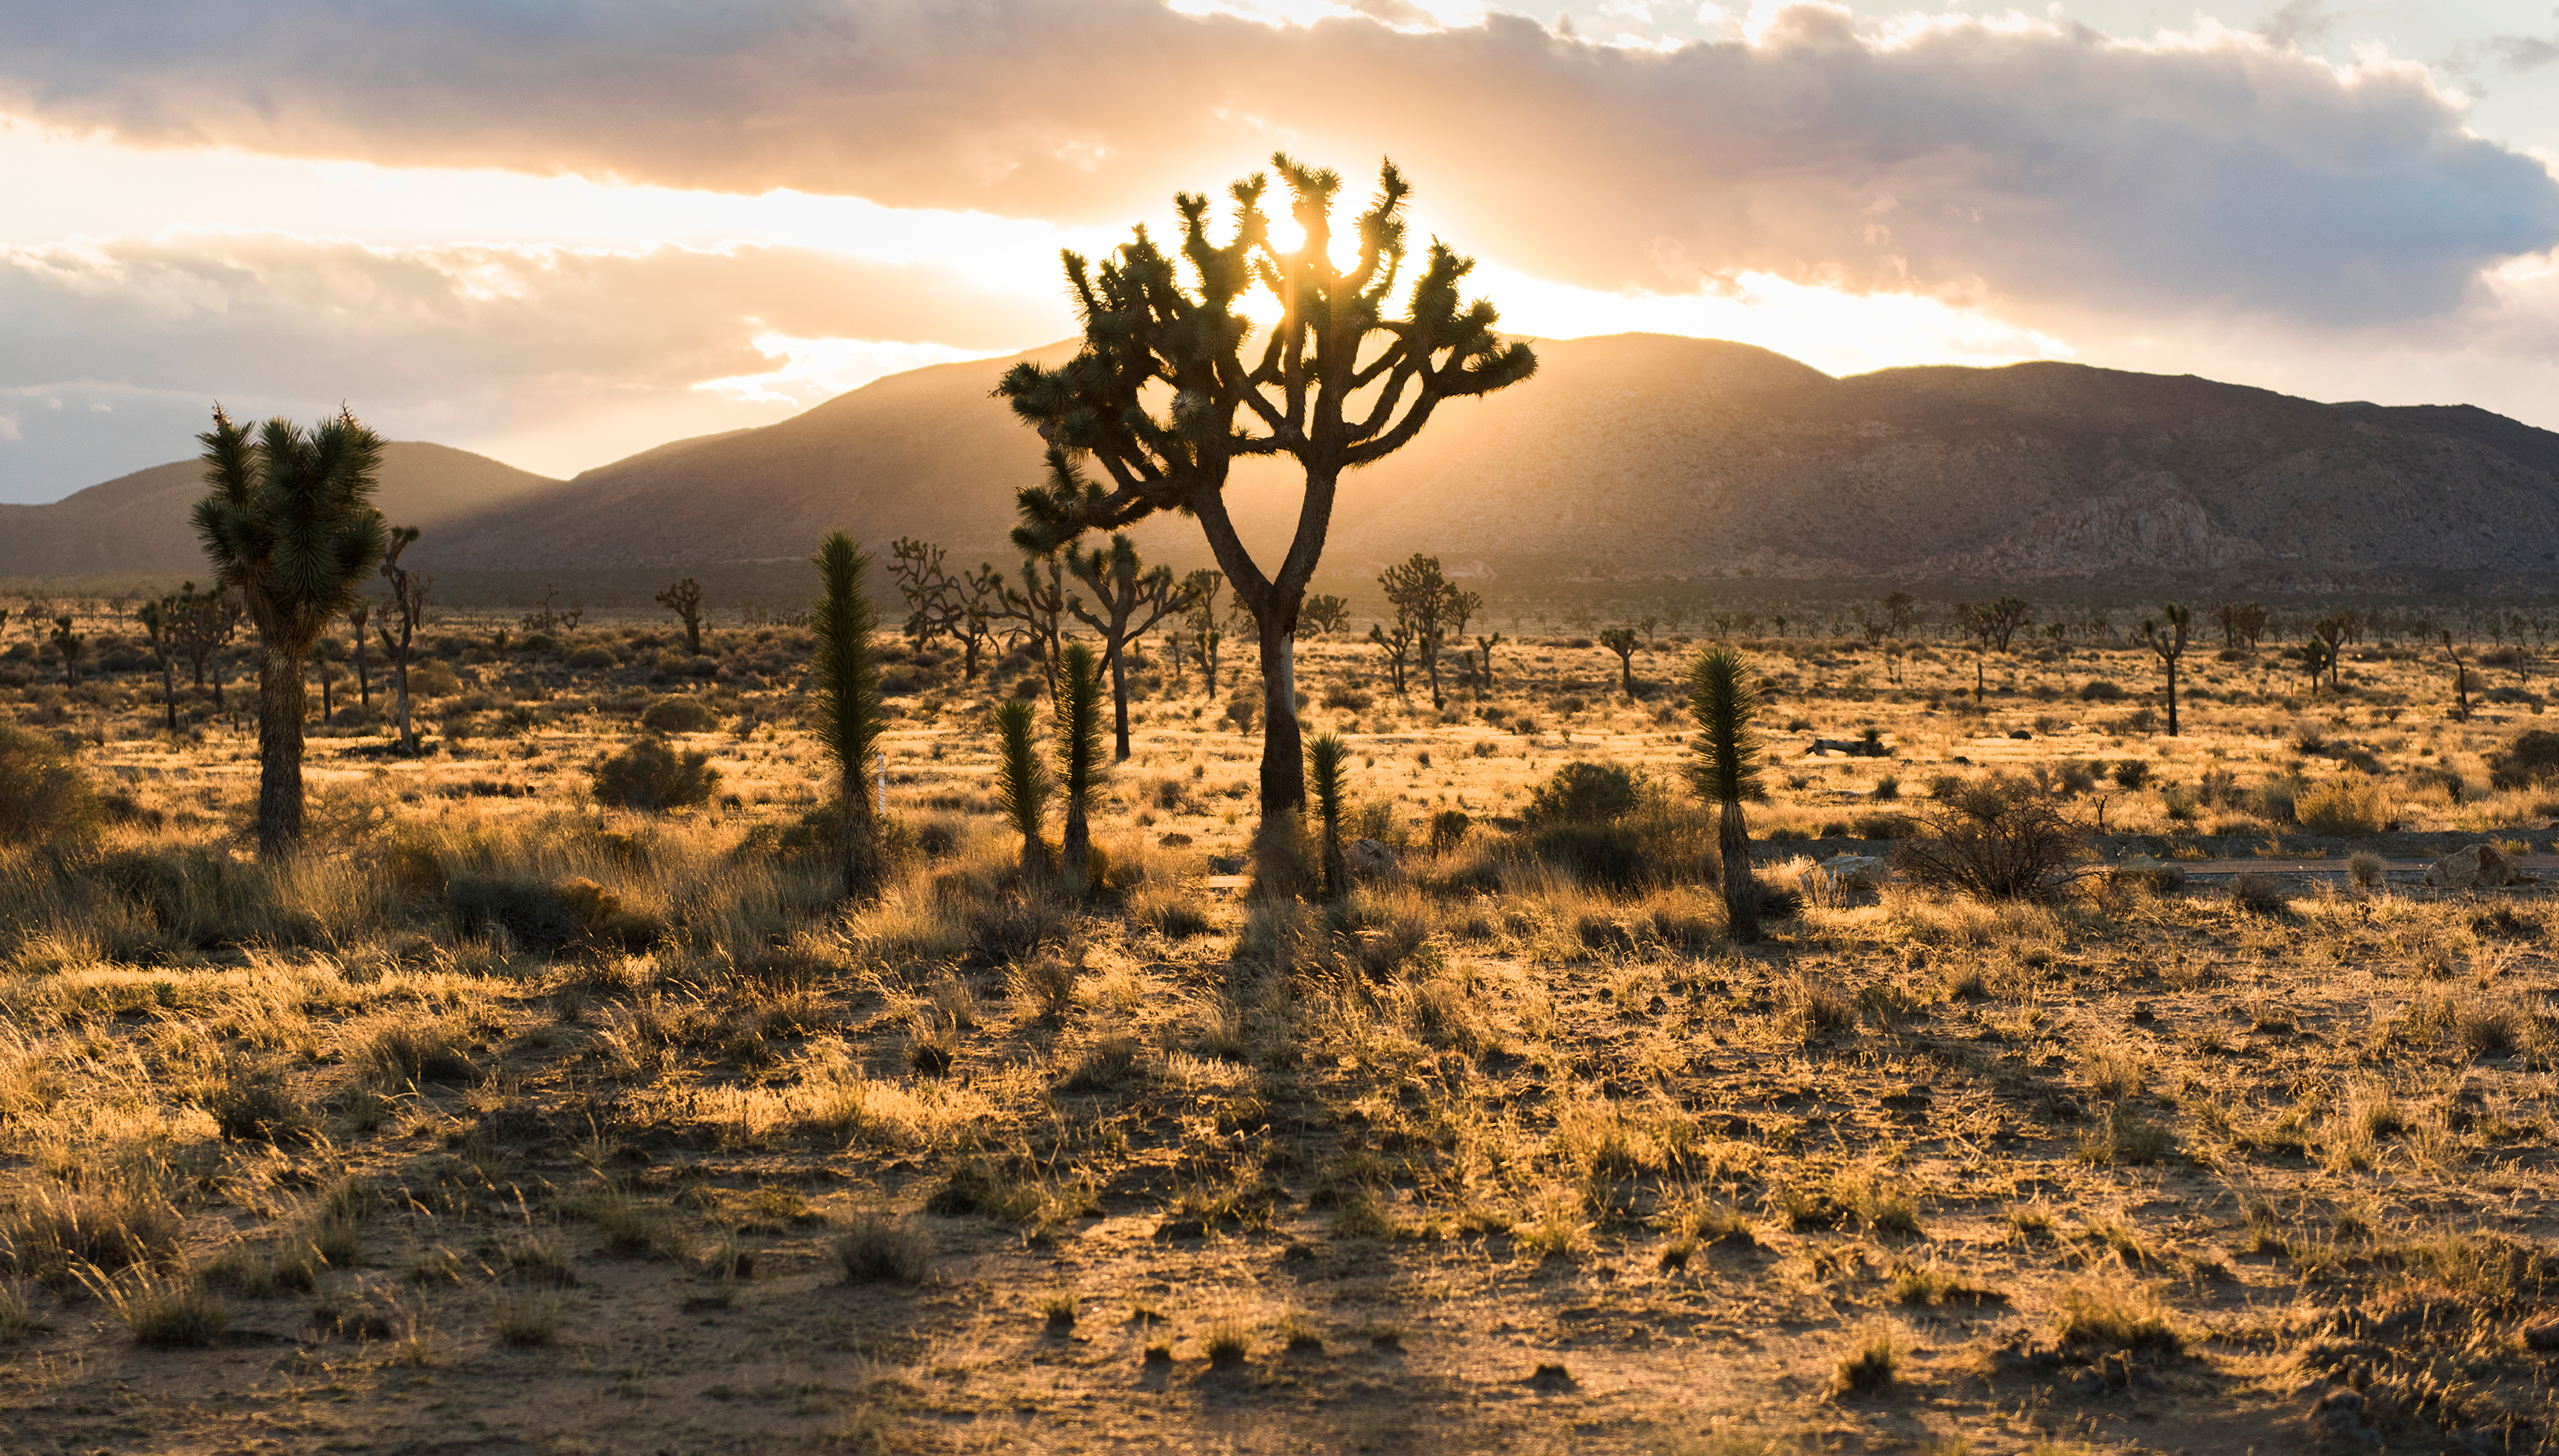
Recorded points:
(2257,894)
(592,658)
(1999,838)
(1448,830)
(2275,802)
(432,679)
(2099,690)
(680,715)
(2368,870)
(2132,774)
(1582,793)
(42,794)
(877,1249)
(2532,759)
(1348,699)
(2350,804)
(651,775)
(252,1102)
(1601,856)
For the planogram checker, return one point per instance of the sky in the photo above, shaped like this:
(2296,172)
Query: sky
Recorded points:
(559,231)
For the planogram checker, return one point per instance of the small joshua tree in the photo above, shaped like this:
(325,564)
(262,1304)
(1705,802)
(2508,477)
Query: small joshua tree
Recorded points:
(846,673)
(289,519)
(1327,777)
(684,599)
(1131,599)
(160,622)
(2165,635)
(1022,783)
(1398,647)
(1484,655)
(1323,612)
(404,614)
(1725,770)
(2461,680)
(73,647)
(1079,752)
(1622,640)
(1423,605)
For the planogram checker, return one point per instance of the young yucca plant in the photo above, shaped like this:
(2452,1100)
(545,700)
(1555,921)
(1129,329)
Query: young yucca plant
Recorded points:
(847,676)
(1023,784)
(1079,750)
(1327,762)
(1725,770)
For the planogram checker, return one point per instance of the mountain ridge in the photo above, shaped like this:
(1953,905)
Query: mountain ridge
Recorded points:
(1653,456)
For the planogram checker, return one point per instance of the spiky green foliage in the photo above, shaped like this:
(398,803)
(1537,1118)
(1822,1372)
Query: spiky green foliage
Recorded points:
(1725,769)
(1328,781)
(846,673)
(1078,749)
(288,520)
(1723,703)
(1023,784)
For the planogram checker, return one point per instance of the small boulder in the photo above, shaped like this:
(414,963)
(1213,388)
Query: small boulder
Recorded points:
(2473,866)
(1855,871)
(1368,857)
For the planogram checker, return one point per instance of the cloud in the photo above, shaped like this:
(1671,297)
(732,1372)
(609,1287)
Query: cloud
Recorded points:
(466,344)
(2525,52)
(2037,162)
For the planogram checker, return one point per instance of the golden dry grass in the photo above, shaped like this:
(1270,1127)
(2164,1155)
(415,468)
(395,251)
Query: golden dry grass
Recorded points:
(500,1114)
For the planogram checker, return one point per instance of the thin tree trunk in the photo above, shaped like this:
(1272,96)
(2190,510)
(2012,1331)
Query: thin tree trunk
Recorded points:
(1120,704)
(169,690)
(399,704)
(2172,698)
(363,677)
(861,842)
(281,704)
(1740,887)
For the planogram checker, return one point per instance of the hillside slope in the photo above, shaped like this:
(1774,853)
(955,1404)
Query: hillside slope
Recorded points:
(1633,456)
(140,522)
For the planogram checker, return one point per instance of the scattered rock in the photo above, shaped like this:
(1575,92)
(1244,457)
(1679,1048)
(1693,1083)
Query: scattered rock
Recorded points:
(1855,871)
(2472,867)
(1551,1378)
(2541,1335)
(1368,857)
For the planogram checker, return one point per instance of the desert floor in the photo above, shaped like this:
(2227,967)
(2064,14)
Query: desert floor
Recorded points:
(501,1122)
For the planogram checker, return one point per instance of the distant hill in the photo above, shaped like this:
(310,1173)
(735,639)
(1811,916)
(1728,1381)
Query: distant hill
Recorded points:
(1647,456)
(141,522)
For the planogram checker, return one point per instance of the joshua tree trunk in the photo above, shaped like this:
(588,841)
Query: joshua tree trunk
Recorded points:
(1741,887)
(282,703)
(1283,760)
(1118,703)
(169,690)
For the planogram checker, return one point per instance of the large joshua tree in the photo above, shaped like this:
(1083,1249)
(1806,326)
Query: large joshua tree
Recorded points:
(1164,397)
(1726,771)
(846,673)
(288,520)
